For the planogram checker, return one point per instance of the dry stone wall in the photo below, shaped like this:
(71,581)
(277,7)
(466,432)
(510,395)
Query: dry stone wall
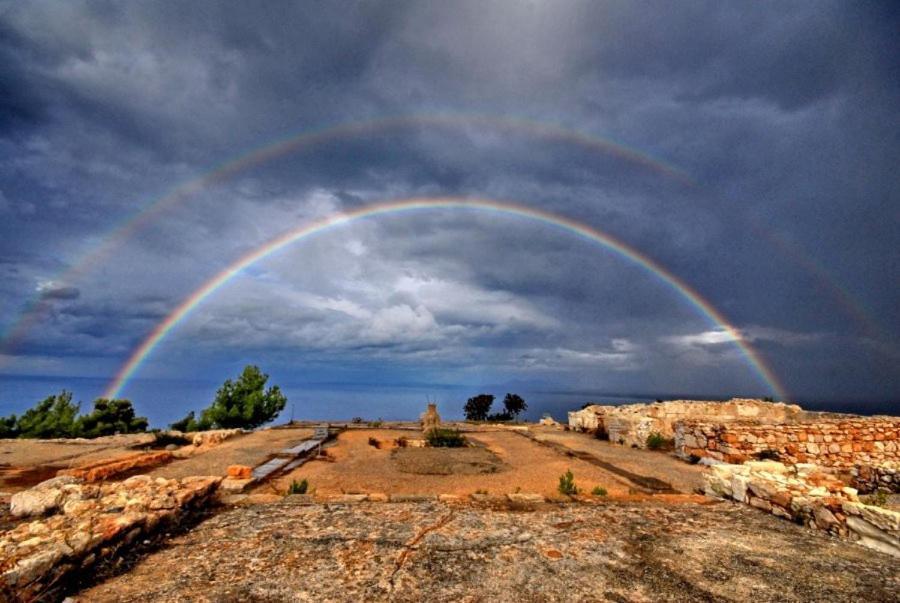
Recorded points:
(876,478)
(806,495)
(631,424)
(833,442)
(78,524)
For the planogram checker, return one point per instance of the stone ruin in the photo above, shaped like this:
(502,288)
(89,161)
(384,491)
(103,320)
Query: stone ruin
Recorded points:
(631,424)
(430,418)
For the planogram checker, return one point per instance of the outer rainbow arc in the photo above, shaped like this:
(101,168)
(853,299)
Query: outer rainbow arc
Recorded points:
(209,287)
(272,151)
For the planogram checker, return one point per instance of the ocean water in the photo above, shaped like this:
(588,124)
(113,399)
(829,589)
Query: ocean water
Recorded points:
(164,401)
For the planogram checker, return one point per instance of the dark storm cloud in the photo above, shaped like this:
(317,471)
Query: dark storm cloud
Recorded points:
(782,115)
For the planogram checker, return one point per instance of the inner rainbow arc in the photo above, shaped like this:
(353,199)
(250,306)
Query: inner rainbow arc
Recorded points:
(143,351)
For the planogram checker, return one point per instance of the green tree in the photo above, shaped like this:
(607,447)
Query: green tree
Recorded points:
(53,417)
(478,407)
(244,403)
(110,417)
(514,404)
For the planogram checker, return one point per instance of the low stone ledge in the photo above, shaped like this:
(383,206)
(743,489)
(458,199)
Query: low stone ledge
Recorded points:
(89,523)
(883,477)
(807,496)
(110,468)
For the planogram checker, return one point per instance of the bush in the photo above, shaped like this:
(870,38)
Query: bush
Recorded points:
(445,438)
(401,442)
(567,484)
(161,439)
(376,424)
(656,441)
(300,487)
(599,491)
(186,425)
(499,417)
(374,443)
(244,403)
(9,427)
(110,417)
(478,407)
(53,417)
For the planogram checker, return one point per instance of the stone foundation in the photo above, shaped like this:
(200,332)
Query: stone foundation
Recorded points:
(86,524)
(808,496)
(631,424)
(833,442)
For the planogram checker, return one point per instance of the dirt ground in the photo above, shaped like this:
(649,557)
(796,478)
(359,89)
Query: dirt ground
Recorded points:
(248,449)
(521,465)
(623,552)
(683,476)
(24,463)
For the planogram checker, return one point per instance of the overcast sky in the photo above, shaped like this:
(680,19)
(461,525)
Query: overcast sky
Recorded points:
(780,203)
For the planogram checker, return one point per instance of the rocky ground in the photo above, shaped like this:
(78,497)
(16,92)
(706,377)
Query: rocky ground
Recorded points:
(615,551)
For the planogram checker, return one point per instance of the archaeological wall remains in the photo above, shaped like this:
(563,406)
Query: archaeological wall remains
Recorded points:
(631,424)
(841,442)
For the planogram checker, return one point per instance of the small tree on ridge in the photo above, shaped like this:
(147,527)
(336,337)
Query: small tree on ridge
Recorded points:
(244,403)
(514,404)
(478,407)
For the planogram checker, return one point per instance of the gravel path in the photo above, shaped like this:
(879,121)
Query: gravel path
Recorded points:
(287,551)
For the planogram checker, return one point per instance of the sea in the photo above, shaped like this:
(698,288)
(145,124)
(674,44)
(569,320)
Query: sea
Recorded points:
(163,401)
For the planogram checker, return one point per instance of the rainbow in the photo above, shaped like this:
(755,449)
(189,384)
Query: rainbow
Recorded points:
(272,151)
(31,312)
(142,352)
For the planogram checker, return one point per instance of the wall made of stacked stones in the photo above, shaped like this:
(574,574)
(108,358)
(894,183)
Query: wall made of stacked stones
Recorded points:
(876,478)
(840,443)
(805,495)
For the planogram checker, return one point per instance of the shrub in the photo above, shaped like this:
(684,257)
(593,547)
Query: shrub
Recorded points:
(186,425)
(111,417)
(499,417)
(445,438)
(879,498)
(9,427)
(376,424)
(161,439)
(478,407)
(656,441)
(567,484)
(244,403)
(401,442)
(374,443)
(298,487)
(599,491)
(53,417)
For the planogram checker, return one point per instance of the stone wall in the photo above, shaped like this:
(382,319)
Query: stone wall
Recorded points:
(876,478)
(804,494)
(833,442)
(630,424)
(78,524)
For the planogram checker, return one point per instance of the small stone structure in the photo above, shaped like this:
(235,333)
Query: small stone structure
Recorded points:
(78,524)
(807,495)
(631,424)
(430,418)
(833,441)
